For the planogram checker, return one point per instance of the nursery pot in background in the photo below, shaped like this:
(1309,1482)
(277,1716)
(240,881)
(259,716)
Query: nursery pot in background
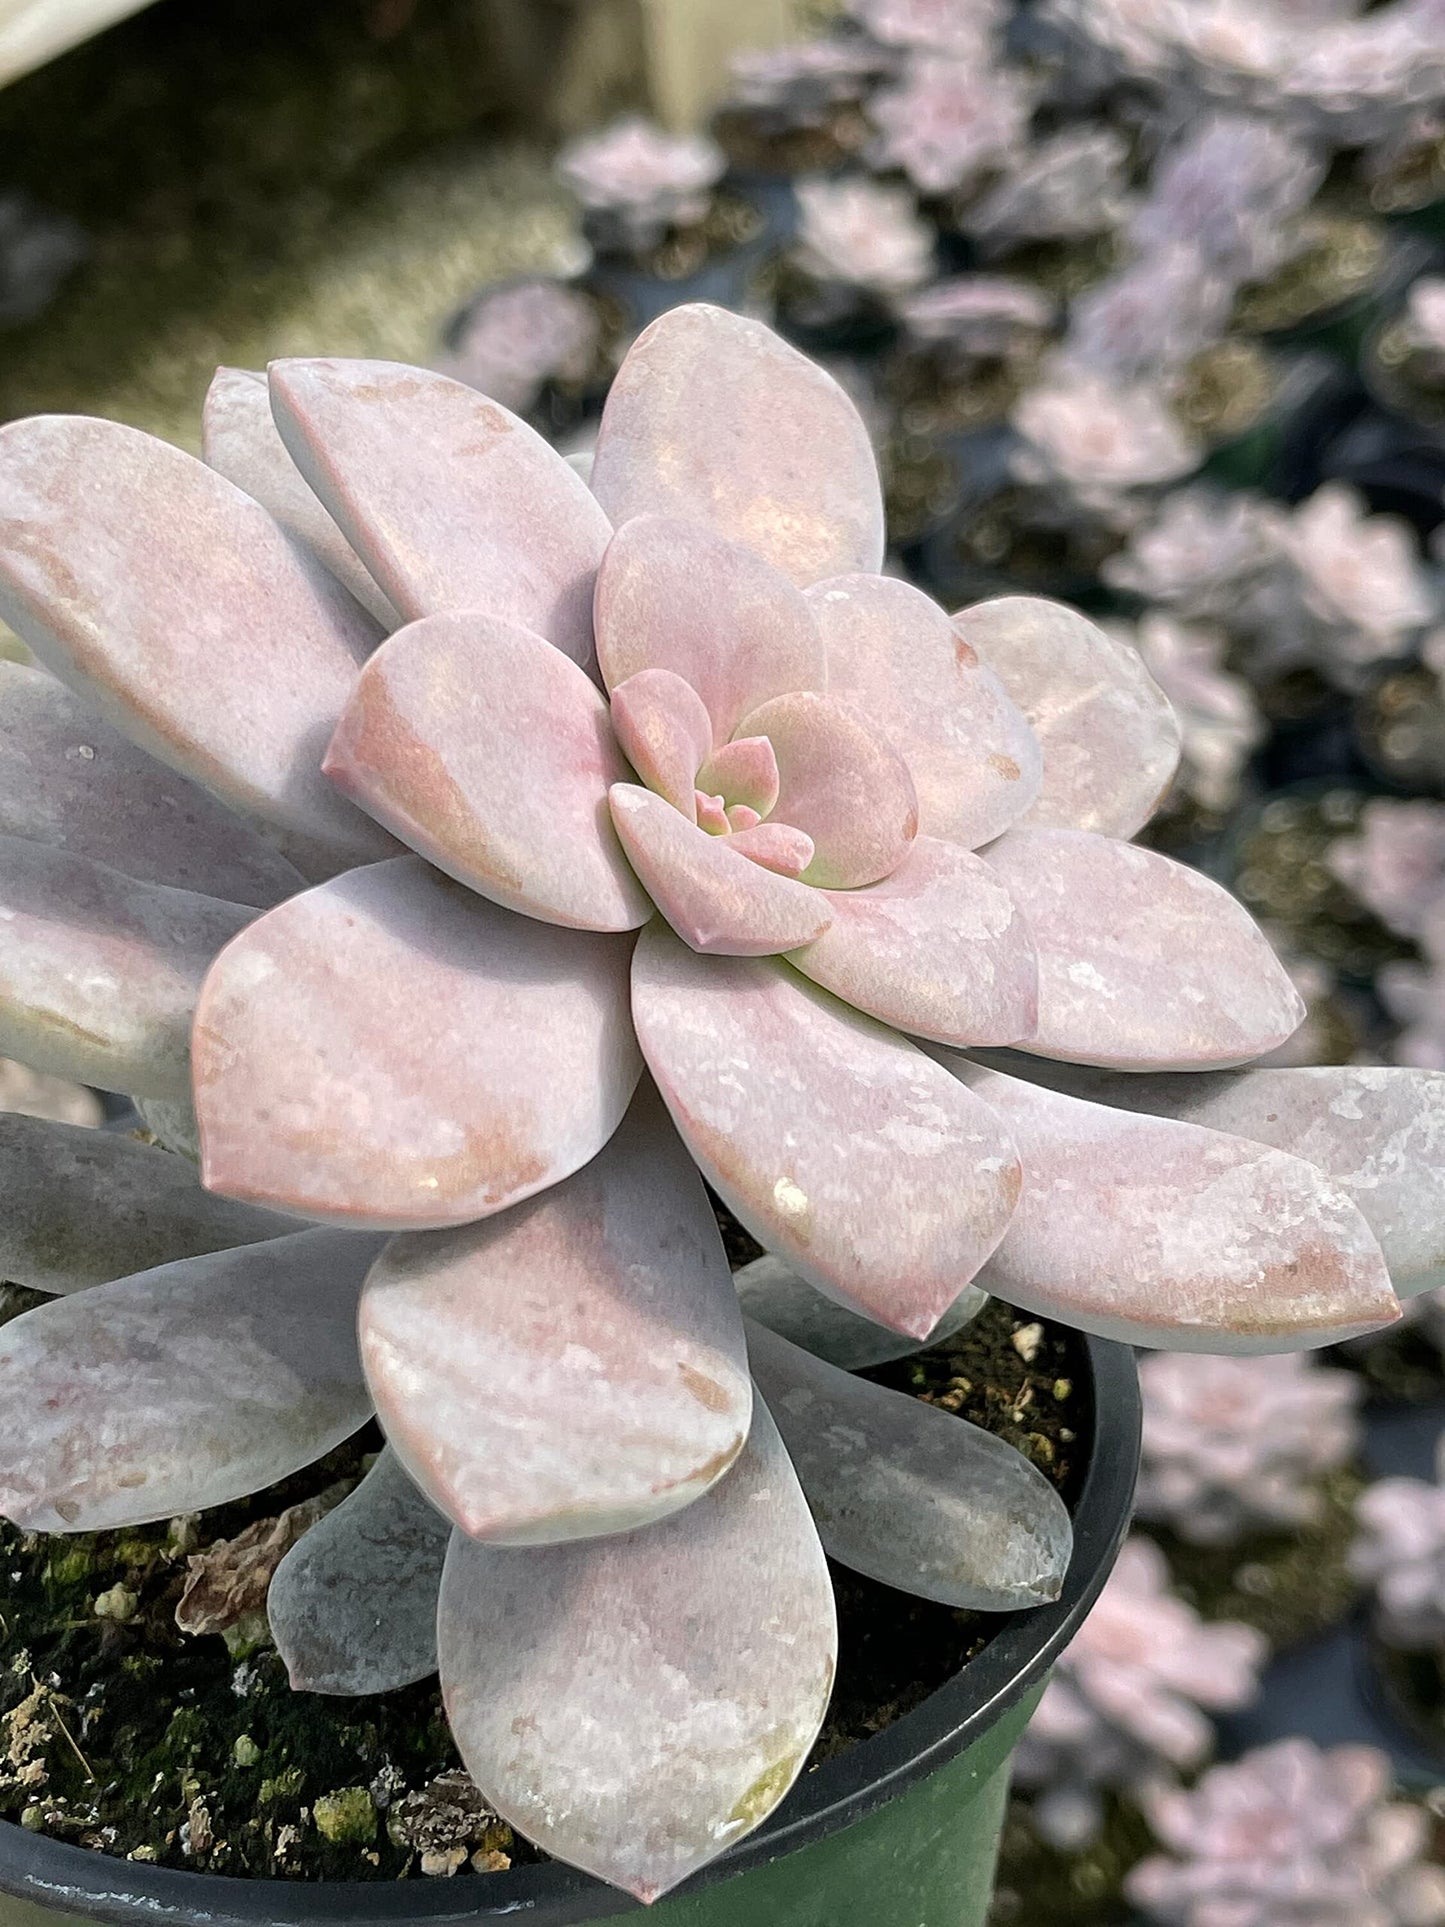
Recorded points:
(901,1831)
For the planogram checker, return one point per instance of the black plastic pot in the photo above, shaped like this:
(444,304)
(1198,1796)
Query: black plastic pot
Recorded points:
(900,1832)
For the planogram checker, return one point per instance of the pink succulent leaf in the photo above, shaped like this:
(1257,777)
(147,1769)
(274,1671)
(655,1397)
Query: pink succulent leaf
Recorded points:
(635,1704)
(838,1144)
(85,1206)
(745,771)
(391,1052)
(665,732)
(1111,742)
(711,813)
(973,758)
(773,1294)
(68,779)
(776,846)
(184,1387)
(99,973)
(174,604)
(1169,1235)
(939,949)
(909,1494)
(450,501)
(1378,1133)
(1143,963)
(491,753)
(678,595)
(353,1605)
(712,417)
(842,783)
(717,899)
(740,817)
(240,440)
(574,1366)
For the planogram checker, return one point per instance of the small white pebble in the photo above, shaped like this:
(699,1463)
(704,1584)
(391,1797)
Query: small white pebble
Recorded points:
(1026,1341)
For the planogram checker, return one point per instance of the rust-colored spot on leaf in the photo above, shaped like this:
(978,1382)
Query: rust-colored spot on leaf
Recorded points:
(965,653)
(1005,766)
(705,1390)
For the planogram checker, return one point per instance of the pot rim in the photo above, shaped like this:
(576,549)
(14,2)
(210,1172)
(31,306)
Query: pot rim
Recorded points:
(53,1873)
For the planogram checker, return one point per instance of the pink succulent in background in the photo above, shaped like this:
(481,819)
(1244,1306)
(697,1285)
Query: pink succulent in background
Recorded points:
(804,81)
(1128,1704)
(518,337)
(861,234)
(1230,186)
(979,314)
(638,181)
(1235,1445)
(1291,1836)
(1065,187)
(681,782)
(945,122)
(1358,592)
(1146,321)
(961,28)
(1202,554)
(1099,440)
(1219,719)
(1400,1553)
(1395,863)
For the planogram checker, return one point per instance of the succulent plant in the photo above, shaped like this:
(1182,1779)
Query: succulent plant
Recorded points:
(985,315)
(1129,1701)
(1202,553)
(944,122)
(1291,1835)
(517,337)
(1395,861)
(1219,720)
(957,27)
(1400,1553)
(860,234)
(636,182)
(1358,592)
(1231,186)
(1064,187)
(802,83)
(1098,440)
(681,781)
(1146,321)
(1237,1445)
(37,251)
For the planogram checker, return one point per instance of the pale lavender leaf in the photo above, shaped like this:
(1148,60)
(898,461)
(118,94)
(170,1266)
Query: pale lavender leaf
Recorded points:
(353,1605)
(635,1704)
(842,783)
(773,1294)
(777,846)
(939,949)
(450,501)
(184,1387)
(84,1206)
(665,732)
(389,1050)
(1173,1236)
(575,1366)
(717,899)
(491,753)
(838,1144)
(677,595)
(99,973)
(69,779)
(713,417)
(1110,740)
(174,604)
(975,763)
(909,1494)
(745,771)
(1144,964)
(240,440)
(171,1121)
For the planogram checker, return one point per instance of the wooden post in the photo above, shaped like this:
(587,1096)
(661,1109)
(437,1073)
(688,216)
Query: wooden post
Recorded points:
(689,44)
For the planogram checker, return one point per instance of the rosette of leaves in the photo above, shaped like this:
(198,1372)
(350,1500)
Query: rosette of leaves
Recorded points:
(657,773)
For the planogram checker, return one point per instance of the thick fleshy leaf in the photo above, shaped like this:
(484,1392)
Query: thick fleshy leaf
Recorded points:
(353,1605)
(176,605)
(172,1122)
(491,753)
(842,783)
(665,732)
(575,1366)
(714,418)
(975,763)
(181,1388)
(676,595)
(1378,1132)
(909,1494)
(450,501)
(1169,1235)
(1143,963)
(838,1144)
(777,846)
(99,973)
(635,1704)
(745,772)
(940,949)
(389,1050)
(716,899)
(240,440)
(1110,739)
(70,780)
(82,1207)
(772,1294)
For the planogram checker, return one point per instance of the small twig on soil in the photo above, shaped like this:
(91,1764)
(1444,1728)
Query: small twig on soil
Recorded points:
(59,1721)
